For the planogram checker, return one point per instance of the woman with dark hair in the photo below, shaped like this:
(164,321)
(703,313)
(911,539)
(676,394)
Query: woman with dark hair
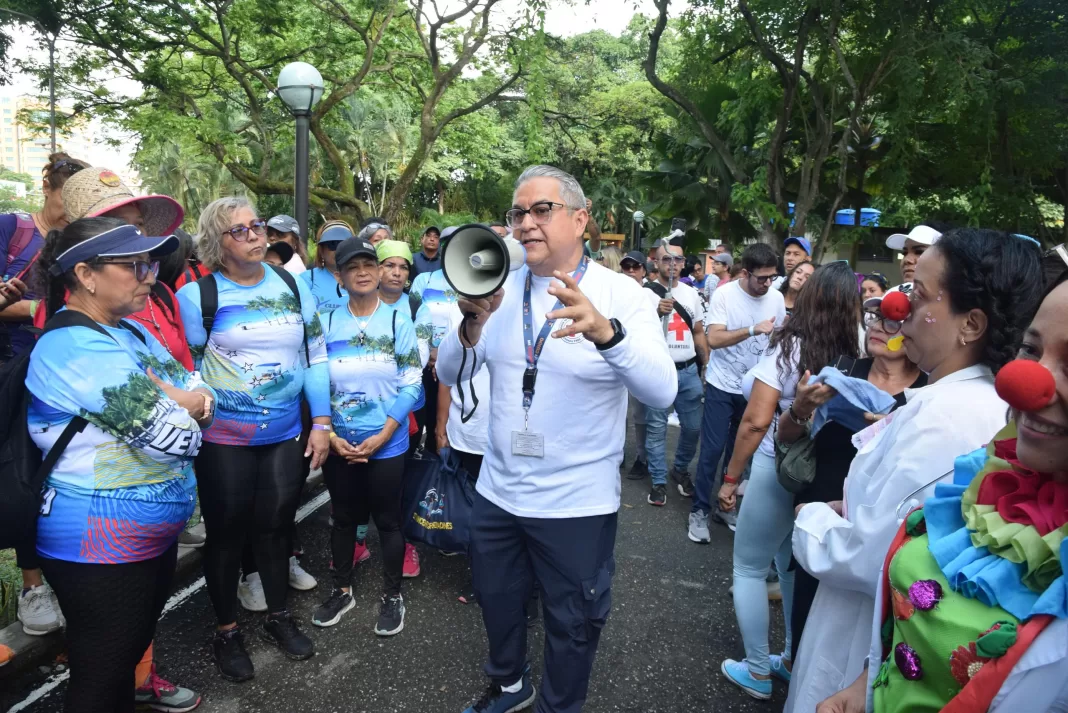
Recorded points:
(874,285)
(974,291)
(791,286)
(172,266)
(973,612)
(122,490)
(824,328)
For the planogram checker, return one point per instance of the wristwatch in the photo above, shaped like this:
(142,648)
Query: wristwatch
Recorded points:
(616,338)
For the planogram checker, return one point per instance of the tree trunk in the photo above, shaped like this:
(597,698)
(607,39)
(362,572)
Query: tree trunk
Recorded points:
(440,186)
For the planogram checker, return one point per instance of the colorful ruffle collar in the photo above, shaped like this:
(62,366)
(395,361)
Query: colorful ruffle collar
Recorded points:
(998,531)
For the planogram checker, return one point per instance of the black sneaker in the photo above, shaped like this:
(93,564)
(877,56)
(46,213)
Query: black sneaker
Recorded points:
(281,630)
(495,700)
(683,481)
(639,470)
(330,611)
(657,495)
(390,615)
(228,651)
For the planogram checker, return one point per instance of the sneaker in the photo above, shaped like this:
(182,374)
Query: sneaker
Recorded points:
(390,615)
(411,561)
(657,495)
(443,553)
(37,611)
(468,596)
(161,695)
(281,630)
(683,482)
(778,668)
(298,578)
(673,420)
(359,554)
(774,591)
(191,539)
(250,593)
(330,611)
(228,651)
(495,700)
(698,530)
(639,470)
(737,672)
(730,519)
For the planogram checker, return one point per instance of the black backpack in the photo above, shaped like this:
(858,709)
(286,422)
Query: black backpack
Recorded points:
(209,301)
(23,468)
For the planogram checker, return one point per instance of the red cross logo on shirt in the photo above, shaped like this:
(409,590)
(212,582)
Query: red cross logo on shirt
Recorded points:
(678,326)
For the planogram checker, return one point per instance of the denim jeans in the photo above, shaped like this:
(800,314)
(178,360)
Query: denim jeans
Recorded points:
(765,532)
(688,407)
(723,410)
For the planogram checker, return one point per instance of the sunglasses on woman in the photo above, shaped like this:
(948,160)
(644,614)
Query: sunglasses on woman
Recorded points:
(141,268)
(890,326)
(240,232)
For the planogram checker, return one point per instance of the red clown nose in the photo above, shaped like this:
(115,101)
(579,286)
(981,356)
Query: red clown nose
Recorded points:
(1025,385)
(896,306)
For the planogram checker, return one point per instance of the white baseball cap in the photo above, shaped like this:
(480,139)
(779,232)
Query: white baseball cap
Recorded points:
(920,234)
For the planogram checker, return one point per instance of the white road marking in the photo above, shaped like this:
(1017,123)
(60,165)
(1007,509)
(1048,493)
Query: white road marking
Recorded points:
(179,598)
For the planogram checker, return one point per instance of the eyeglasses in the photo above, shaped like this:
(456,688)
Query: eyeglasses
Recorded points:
(240,233)
(766,279)
(141,268)
(542,213)
(890,326)
(669,259)
(627,266)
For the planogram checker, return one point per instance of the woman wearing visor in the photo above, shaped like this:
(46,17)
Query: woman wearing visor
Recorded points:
(329,294)
(123,489)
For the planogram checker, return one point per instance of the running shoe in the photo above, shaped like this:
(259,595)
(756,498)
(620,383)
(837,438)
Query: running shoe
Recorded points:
(360,553)
(411,561)
(228,652)
(737,672)
(390,615)
(250,593)
(698,530)
(298,578)
(683,482)
(657,495)
(639,470)
(281,630)
(160,695)
(496,700)
(191,539)
(37,611)
(330,611)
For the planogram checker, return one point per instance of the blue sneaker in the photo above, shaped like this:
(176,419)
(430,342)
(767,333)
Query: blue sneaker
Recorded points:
(737,672)
(778,668)
(494,700)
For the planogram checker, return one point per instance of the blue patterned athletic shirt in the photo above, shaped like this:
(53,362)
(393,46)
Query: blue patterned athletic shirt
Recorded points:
(431,289)
(255,358)
(372,377)
(328,292)
(124,487)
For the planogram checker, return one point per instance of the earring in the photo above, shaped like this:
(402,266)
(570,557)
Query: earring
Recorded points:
(963,343)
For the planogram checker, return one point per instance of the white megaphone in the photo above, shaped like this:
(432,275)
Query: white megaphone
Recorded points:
(476,261)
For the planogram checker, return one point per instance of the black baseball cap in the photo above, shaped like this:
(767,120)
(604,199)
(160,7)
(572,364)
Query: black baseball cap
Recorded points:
(285,252)
(353,248)
(635,256)
(432,227)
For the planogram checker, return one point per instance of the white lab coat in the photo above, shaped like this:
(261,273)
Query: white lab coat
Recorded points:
(906,452)
(1038,681)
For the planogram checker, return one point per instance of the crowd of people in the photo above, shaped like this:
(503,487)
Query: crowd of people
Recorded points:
(893,461)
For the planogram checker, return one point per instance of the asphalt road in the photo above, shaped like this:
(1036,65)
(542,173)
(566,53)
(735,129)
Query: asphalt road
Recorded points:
(672,622)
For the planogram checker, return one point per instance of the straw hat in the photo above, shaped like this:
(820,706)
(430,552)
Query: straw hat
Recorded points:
(93,191)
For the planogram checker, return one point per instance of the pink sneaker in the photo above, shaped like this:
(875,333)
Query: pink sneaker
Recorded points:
(361,553)
(411,561)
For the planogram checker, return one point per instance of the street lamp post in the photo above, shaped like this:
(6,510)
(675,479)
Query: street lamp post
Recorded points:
(300,86)
(51,68)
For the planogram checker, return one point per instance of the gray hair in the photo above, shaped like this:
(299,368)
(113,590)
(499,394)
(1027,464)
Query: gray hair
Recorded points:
(373,228)
(214,219)
(570,191)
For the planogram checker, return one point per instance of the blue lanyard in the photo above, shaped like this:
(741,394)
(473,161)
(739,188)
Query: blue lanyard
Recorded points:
(533,349)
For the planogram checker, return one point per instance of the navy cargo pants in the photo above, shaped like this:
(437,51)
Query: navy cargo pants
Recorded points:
(571,559)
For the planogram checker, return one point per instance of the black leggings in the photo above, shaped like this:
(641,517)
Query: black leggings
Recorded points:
(359,490)
(111,612)
(248,492)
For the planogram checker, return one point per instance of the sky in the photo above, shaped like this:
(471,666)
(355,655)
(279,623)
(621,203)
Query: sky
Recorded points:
(563,18)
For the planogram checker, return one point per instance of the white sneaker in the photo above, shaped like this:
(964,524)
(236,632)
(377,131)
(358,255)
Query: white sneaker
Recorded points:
(250,593)
(673,420)
(298,578)
(36,611)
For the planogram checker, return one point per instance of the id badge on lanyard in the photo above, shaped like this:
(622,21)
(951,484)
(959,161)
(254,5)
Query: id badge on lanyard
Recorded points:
(529,443)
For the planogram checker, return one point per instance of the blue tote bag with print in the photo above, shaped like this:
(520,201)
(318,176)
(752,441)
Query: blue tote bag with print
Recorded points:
(438,499)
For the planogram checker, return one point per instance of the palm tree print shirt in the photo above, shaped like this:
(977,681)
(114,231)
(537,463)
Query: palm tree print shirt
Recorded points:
(255,358)
(124,487)
(372,375)
(433,290)
(328,292)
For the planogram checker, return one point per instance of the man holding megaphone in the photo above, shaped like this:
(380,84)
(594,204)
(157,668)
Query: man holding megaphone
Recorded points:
(564,339)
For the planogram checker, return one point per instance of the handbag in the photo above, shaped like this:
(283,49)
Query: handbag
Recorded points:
(795,463)
(439,497)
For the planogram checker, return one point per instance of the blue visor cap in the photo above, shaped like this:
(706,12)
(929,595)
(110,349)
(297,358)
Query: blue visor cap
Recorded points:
(122,241)
(335,234)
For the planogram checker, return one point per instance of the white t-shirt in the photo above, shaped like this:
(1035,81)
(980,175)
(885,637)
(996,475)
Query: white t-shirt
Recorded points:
(470,437)
(735,308)
(295,266)
(767,371)
(580,399)
(679,337)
